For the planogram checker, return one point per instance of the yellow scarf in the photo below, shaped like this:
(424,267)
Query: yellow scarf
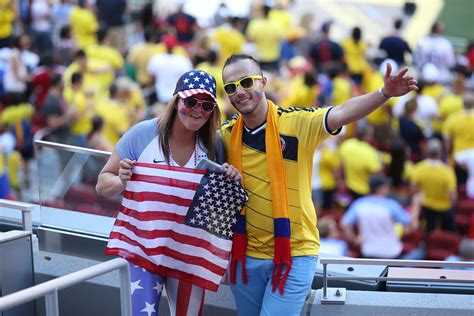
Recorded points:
(277,175)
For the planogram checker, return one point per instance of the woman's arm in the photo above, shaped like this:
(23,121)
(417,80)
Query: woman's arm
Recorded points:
(114,176)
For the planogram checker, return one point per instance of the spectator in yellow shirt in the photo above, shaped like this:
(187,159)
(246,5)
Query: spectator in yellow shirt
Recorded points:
(81,106)
(266,34)
(436,182)
(139,56)
(458,133)
(229,39)
(107,56)
(359,161)
(354,50)
(7,17)
(84,24)
(453,102)
(329,169)
(114,114)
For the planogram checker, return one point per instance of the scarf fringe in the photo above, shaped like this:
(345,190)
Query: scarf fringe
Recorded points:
(281,260)
(239,248)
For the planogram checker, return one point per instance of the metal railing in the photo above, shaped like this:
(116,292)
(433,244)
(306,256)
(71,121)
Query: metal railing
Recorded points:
(71,148)
(25,209)
(50,288)
(338,295)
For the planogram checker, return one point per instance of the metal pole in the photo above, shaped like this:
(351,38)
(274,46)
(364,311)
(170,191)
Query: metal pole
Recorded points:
(125,291)
(325,281)
(51,300)
(26,220)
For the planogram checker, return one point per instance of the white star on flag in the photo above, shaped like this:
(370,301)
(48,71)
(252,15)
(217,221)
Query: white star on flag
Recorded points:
(135,286)
(149,309)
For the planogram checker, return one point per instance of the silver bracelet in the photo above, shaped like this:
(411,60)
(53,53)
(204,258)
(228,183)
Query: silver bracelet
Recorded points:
(383,95)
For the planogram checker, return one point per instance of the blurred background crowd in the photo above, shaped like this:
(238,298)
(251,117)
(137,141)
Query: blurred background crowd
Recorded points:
(82,72)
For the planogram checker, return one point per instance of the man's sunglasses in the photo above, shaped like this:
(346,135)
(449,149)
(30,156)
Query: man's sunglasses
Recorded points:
(247,83)
(206,106)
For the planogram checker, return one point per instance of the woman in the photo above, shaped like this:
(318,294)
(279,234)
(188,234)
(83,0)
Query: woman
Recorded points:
(182,136)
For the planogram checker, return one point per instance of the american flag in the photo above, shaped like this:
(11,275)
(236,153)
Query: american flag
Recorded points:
(178,222)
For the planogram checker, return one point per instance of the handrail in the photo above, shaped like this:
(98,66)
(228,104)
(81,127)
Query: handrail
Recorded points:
(25,209)
(71,148)
(50,288)
(389,263)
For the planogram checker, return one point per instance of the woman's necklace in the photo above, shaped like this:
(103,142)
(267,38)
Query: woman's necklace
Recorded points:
(194,152)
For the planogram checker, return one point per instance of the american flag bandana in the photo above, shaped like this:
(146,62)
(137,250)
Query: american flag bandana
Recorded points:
(178,222)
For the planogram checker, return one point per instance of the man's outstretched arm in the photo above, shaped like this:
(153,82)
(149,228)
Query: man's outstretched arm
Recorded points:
(356,108)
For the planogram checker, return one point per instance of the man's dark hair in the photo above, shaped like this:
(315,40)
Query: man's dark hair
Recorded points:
(56,80)
(102,34)
(398,24)
(236,57)
(80,54)
(76,77)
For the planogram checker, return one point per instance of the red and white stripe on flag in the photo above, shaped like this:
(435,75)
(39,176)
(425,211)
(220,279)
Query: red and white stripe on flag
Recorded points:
(151,230)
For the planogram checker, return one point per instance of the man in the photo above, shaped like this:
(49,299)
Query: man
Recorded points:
(375,216)
(437,183)
(394,45)
(166,68)
(359,161)
(437,49)
(459,138)
(273,150)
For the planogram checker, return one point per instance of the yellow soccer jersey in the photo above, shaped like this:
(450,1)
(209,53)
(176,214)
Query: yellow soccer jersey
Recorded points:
(301,129)
(84,26)
(328,166)
(459,127)
(359,160)
(436,180)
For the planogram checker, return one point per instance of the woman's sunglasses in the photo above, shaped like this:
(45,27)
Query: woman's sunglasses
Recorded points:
(206,106)
(247,83)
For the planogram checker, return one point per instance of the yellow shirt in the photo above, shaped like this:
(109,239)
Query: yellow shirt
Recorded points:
(328,166)
(139,57)
(435,91)
(436,181)
(282,17)
(459,127)
(300,94)
(229,40)
(267,35)
(342,90)
(450,104)
(78,101)
(107,54)
(7,16)
(355,55)
(14,161)
(84,26)
(115,118)
(360,160)
(301,130)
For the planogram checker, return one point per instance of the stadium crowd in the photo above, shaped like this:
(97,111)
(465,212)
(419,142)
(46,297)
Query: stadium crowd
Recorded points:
(83,72)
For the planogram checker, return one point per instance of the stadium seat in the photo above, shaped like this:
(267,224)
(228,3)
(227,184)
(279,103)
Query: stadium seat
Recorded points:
(463,223)
(465,206)
(441,244)
(81,194)
(411,241)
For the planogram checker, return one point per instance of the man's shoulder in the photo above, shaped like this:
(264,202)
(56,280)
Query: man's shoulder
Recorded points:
(229,124)
(292,110)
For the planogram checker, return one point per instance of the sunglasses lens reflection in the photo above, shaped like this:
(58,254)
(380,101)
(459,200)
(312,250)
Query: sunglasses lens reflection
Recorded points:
(246,83)
(230,88)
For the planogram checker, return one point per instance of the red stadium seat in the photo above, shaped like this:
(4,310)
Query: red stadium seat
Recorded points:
(411,241)
(81,194)
(441,244)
